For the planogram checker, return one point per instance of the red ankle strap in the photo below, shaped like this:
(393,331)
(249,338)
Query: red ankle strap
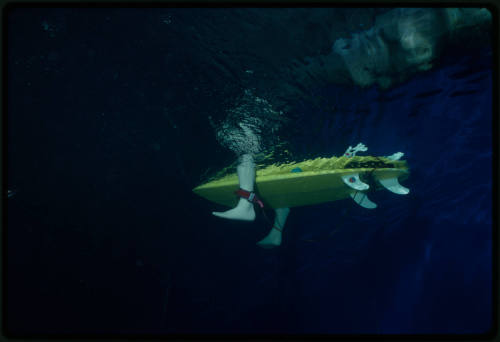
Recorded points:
(251,196)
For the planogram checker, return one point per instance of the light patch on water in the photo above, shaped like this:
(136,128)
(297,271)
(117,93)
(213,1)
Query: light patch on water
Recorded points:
(250,126)
(50,28)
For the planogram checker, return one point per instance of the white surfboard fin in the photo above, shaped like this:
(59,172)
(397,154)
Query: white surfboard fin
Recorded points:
(393,185)
(395,156)
(354,182)
(363,200)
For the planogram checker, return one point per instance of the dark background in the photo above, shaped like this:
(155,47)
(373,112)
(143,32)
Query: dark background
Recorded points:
(108,131)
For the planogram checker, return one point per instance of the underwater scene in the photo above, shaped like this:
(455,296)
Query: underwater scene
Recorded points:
(234,171)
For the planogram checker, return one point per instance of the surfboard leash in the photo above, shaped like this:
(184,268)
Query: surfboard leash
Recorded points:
(253,198)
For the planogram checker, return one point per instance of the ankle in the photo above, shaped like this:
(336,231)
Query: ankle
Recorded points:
(245,204)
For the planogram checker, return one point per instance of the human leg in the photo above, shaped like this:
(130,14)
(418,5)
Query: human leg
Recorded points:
(273,239)
(244,210)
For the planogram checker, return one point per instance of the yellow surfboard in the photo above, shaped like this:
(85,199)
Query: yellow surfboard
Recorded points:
(313,181)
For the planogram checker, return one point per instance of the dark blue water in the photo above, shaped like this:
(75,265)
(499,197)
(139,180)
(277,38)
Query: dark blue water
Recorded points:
(106,136)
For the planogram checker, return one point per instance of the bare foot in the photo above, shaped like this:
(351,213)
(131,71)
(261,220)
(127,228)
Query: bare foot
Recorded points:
(273,239)
(244,211)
